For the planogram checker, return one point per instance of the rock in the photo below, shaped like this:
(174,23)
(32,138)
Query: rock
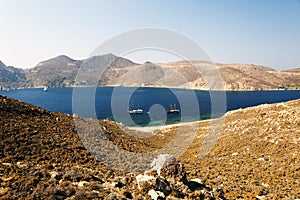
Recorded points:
(168,167)
(126,193)
(7,164)
(145,182)
(174,172)
(115,196)
(221,192)
(261,197)
(53,174)
(172,198)
(195,185)
(81,183)
(156,194)
(21,164)
(163,186)
(198,180)
(162,161)
(117,184)
(265,185)
(3,190)
(171,182)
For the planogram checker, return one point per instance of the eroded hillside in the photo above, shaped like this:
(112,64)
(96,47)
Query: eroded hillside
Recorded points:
(109,69)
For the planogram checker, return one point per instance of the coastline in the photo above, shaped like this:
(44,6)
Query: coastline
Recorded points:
(168,126)
(162,87)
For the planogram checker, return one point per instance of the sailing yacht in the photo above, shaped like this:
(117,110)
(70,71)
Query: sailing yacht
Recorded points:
(173,109)
(135,110)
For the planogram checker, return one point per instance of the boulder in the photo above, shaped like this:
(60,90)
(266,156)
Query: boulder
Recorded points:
(161,162)
(145,182)
(155,195)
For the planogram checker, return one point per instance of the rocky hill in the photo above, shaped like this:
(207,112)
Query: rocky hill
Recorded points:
(293,77)
(43,157)
(255,157)
(62,72)
(11,77)
(55,72)
(235,76)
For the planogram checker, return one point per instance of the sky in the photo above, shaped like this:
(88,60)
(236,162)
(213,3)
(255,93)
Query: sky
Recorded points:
(262,32)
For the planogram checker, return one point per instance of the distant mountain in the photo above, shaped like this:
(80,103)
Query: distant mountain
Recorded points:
(109,69)
(55,72)
(202,75)
(107,66)
(292,76)
(1,64)
(61,71)
(11,77)
(250,77)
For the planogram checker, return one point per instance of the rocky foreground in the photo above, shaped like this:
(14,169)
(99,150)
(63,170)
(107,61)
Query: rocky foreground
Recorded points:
(43,157)
(256,156)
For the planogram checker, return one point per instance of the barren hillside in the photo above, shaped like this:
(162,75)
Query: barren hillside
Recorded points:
(256,156)
(205,75)
(109,69)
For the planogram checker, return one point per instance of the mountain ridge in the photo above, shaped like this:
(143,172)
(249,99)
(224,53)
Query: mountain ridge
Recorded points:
(61,71)
(10,76)
(2,64)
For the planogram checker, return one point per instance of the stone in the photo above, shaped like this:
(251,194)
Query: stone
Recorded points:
(21,164)
(198,180)
(126,193)
(235,154)
(81,183)
(56,175)
(194,185)
(115,196)
(261,197)
(145,182)
(163,186)
(117,184)
(174,172)
(156,194)
(162,161)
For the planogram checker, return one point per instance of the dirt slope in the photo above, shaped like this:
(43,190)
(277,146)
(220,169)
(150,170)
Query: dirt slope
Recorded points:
(42,155)
(257,153)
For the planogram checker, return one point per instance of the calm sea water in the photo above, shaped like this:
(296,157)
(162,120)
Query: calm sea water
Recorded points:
(114,102)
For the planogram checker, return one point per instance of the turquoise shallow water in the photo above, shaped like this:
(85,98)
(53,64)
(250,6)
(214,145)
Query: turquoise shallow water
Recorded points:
(114,102)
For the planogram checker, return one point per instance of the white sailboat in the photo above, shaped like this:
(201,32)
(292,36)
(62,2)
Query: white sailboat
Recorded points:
(173,109)
(135,110)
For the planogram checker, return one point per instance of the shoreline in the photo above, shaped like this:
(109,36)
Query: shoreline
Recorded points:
(168,126)
(161,87)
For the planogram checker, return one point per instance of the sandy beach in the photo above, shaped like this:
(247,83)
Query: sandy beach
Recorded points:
(156,128)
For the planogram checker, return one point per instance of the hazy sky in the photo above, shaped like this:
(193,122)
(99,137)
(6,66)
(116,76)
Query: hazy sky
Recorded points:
(265,32)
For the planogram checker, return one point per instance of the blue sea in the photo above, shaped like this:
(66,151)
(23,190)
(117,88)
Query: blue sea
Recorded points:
(115,102)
